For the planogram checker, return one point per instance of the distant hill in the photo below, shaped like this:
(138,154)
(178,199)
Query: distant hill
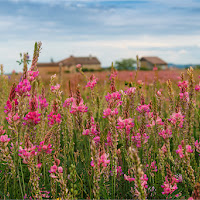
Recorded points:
(181,66)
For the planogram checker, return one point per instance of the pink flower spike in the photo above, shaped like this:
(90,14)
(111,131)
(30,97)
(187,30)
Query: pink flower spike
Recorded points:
(78,66)
(39,165)
(189,149)
(60,169)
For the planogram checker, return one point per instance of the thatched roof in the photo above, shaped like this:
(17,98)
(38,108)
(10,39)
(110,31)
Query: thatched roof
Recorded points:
(154,60)
(80,60)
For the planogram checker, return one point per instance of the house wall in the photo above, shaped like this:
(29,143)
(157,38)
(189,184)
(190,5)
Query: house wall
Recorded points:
(56,69)
(95,67)
(146,65)
(73,67)
(48,70)
(150,66)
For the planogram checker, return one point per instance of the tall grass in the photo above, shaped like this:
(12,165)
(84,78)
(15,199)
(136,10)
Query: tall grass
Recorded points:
(107,139)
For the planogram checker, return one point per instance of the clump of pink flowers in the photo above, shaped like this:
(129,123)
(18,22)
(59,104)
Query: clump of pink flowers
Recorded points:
(197,145)
(177,119)
(32,118)
(54,118)
(181,150)
(103,160)
(165,133)
(78,107)
(138,139)
(183,90)
(32,75)
(23,88)
(108,112)
(44,148)
(55,88)
(92,82)
(169,186)
(126,124)
(143,108)
(4,139)
(27,153)
(130,91)
(43,102)
(68,102)
(153,167)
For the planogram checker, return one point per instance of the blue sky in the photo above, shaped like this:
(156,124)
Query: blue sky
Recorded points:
(110,30)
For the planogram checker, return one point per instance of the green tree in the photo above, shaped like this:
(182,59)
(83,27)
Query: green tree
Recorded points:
(125,64)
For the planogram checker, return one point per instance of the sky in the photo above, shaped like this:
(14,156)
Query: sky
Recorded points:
(109,30)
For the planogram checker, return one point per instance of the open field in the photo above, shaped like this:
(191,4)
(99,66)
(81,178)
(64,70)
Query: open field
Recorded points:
(111,135)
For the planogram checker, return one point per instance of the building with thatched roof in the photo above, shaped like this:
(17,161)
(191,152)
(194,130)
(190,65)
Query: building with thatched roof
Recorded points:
(69,64)
(151,62)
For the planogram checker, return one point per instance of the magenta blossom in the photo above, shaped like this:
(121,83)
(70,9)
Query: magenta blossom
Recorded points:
(32,118)
(23,88)
(108,112)
(153,167)
(54,118)
(43,102)
(104,160)
(130,91)
(143,108)
(169,186)
(177,119)
(128,178)
(9,105)
(75,108)
(4,139)
(126,124)
(165,133)
(68,102)
(92,82)
(55,88)
(32,75)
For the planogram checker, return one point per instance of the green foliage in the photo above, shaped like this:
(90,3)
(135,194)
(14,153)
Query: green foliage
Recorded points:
(125,64)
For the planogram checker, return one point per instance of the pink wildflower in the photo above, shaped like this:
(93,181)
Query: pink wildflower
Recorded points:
(197,87)
(78,66)
(104,160)
(32,118)
(9,105)
(126,124)
(128,178)
(32,75)
(143,108)
(165,133)
(78,108)
(92,82)
(23,88)
(53,169)
(153,166)
(54,118)
(189,149)
(180,151)
(55,88)
(169,186)
(130,91)
(137,139)
(108,112)
(4,139)
(13,118)
(177,118)
(60,169)
(43,103)
(113,75)
(68,102)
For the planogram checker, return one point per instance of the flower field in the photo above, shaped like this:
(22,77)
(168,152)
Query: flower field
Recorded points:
(111,135)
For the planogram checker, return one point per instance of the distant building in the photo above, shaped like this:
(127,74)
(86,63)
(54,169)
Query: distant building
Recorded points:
(69,64)
(150,62)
